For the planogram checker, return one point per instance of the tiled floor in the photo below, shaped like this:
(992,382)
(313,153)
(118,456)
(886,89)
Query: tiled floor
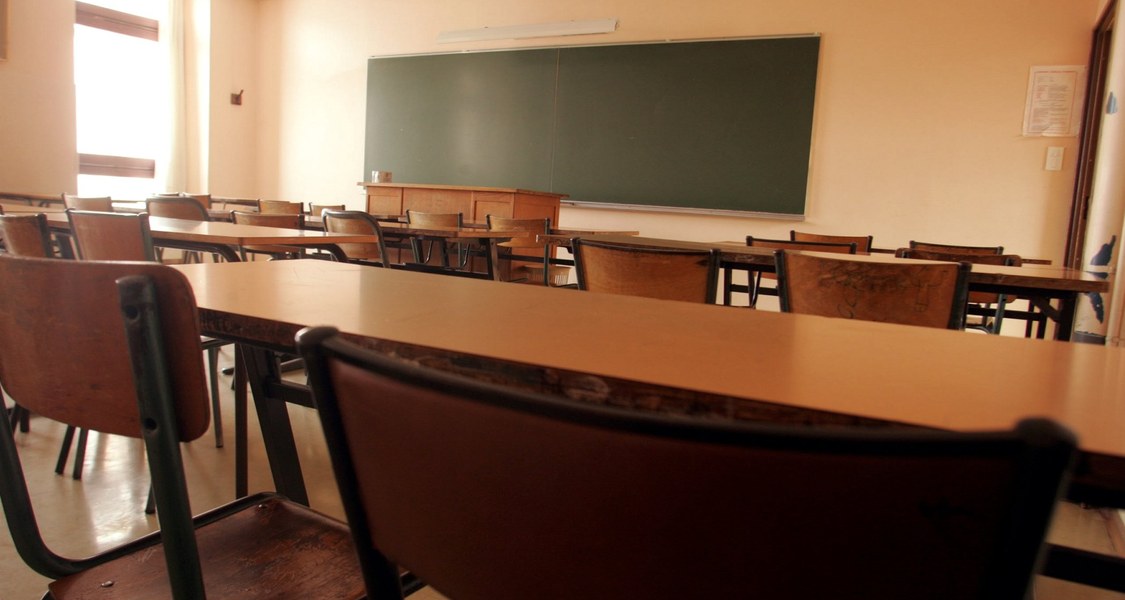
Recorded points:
(105,507)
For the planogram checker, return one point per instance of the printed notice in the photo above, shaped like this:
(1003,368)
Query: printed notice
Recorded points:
(1054,101)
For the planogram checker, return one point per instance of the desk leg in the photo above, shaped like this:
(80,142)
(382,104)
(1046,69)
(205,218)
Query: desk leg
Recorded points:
(241,432)
(1065,323)
(273,417)
(493,260)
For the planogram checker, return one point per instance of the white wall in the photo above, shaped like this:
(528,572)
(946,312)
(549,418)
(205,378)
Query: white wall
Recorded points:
(917,125)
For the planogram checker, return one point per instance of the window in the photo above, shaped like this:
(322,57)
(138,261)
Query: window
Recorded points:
(119,86)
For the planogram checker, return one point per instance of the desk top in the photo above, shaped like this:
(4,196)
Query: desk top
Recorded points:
(220,232)
(1037,277)
(729,362)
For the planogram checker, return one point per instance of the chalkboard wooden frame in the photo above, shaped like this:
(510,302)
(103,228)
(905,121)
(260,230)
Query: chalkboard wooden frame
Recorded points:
(719,126)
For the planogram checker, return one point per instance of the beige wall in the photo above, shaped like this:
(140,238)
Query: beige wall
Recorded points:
(917,125)
(916,133)
(37,138)
(234,156)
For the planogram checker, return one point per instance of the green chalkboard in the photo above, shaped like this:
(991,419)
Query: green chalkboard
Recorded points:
(712,125)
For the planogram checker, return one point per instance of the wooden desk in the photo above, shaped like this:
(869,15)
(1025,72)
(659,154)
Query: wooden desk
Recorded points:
(678,358)
(684,358)
(1038,281)
(32,199)
(475,203)
(220,237)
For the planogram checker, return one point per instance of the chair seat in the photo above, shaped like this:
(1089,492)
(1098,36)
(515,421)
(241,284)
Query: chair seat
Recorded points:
(268,548)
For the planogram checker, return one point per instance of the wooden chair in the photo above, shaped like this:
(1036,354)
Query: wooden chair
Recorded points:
(690,275)
(755,287)
(283,220)
(317,210)
(280,207)
(204,199)
(355,221)
(992,308)
(226,202)
(126,236)
(862,242)
(423,247)
(122,359)
(930,294)
(179,206)
(111,236)
(931,247)
(25,235)
(537,267)
(531,496)
(97,203)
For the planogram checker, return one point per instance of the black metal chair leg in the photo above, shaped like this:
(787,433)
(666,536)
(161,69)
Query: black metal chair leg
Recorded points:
(64,451)
(80,453)
(216,410)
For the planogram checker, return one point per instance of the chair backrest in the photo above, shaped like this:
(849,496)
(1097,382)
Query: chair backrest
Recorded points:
(424,219)
(668,274)
(204,199)
(110,362)
(532,226)
(226,202)
(955,248)
(930,294)
(862,242)
(815,246)
(26,235)
(317,210)
(1006,260)
(491,492)
(98,203)
(177,207)
(285,220)
(280,207)
(111,236)
(356,221)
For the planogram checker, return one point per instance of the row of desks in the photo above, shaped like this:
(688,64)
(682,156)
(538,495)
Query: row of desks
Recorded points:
(1038,281)
(679,358)
(692,360)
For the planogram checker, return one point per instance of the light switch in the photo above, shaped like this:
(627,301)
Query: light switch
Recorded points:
(1054,158)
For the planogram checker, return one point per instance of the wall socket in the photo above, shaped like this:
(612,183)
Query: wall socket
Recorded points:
(1054,158)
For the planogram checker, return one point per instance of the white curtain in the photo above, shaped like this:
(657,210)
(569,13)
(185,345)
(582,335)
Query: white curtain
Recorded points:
(172,161)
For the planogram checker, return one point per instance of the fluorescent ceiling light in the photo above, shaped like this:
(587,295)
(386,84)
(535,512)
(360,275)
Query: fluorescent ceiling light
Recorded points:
(512,32)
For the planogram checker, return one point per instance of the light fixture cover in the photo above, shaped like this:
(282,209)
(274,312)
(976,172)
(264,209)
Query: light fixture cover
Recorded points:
(512,32)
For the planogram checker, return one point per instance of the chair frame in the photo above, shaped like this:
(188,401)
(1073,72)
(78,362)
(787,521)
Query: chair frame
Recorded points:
(155,301)
(957,310)
(711,256)
(755,289)
(423,256)
(329,215)
(145,230)
(36,222)
(240,217)
(1033,442)
(196,206)
(862,242)
(932,247)
(978,302)
(523,225)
